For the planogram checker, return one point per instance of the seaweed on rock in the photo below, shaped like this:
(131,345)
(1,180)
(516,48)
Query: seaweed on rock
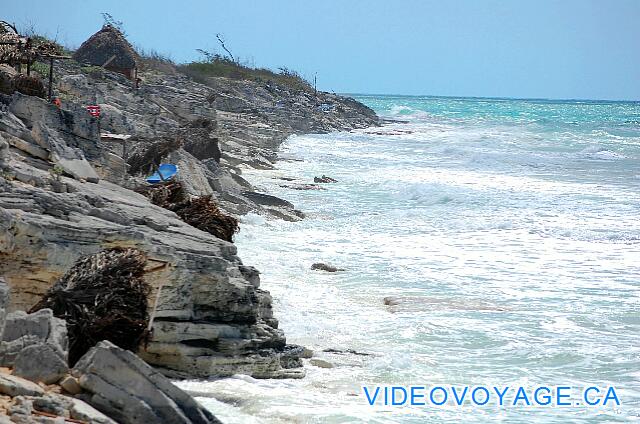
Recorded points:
(200,212)
(102,297)
(203,214)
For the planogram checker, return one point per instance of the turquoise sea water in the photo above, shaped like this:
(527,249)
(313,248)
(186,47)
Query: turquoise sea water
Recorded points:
(506,234)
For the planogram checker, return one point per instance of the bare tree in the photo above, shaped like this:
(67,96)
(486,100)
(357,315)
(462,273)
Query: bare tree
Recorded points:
(221,40)
(110,20)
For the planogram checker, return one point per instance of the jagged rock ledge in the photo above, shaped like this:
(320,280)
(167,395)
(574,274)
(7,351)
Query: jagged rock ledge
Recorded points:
(107,385)
(64,193)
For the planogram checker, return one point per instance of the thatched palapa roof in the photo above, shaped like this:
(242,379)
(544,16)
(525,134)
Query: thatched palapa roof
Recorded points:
(10,44)
(102,46)
(16,49)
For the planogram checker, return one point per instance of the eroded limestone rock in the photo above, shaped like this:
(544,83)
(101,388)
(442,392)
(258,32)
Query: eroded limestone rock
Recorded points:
(130,391)
(40,362)
(32,343)
(12,385)
(199,281)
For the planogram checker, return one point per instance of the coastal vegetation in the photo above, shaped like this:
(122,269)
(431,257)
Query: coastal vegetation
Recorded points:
(211,64)
(215,65)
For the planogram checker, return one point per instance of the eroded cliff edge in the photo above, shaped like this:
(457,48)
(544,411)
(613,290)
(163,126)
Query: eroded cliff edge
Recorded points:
(212,318)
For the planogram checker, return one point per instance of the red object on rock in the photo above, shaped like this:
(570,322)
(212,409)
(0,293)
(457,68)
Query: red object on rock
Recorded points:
(94,110)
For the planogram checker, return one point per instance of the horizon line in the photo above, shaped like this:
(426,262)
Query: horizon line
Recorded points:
(547,99)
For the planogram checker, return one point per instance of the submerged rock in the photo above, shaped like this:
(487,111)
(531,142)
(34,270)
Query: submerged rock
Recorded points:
(391,301)
(346,351)
(321,363)
(303,186)
(324,179)
(424,303)
(325,267)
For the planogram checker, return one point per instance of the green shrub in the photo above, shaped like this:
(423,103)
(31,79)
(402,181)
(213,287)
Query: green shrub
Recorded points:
(219,66)
(152,60)
(40,68)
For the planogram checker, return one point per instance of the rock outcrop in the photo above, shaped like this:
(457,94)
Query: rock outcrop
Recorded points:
(16,386)
(64,193)
(324,179)
(112,380)
(35,346)
(123,387)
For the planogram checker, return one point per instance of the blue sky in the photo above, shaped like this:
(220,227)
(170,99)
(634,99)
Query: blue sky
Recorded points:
(510,48)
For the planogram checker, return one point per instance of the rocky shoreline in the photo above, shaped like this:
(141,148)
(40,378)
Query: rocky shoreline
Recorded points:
(65,193)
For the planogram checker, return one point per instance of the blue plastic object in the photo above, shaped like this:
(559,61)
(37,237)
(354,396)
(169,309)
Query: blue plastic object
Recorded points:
(167,170)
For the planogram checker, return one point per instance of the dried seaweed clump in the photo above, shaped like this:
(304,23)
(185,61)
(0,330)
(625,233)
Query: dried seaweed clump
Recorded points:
(11,81)
(166,195)
(149,153)
(29,85)
(203,214)
(102,297)
(200,212)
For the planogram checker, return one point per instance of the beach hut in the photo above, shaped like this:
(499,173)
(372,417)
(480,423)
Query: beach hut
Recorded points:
(108,48)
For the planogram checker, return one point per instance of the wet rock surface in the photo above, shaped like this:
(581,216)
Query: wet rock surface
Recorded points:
(324,179)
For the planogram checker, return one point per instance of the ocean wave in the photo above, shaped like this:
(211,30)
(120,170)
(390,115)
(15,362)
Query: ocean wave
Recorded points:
(423,193)
(487,239)
(599,152)
(401,110)
(407,112)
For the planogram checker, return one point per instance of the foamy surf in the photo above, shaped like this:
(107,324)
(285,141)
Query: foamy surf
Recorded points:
(484,242)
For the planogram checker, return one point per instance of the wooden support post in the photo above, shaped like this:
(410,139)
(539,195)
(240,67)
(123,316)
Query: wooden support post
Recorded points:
(50,78)
(164,265)
(28,68)
(155,308)
(105,64)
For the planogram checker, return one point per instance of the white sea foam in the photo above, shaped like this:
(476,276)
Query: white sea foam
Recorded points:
(596,151)
(509,237)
